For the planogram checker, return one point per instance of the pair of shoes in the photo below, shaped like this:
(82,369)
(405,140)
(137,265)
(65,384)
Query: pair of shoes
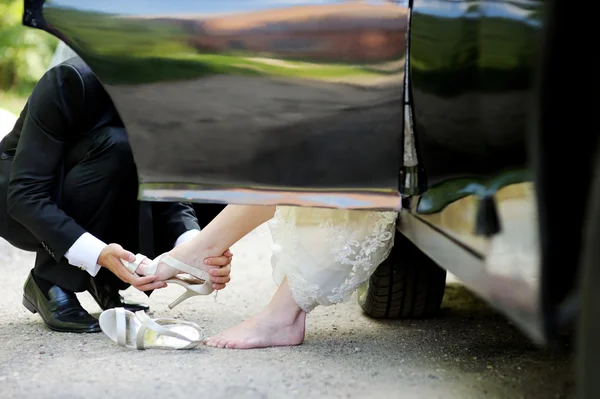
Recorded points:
(138,331)
(108,297)
(61,312)
(194,280)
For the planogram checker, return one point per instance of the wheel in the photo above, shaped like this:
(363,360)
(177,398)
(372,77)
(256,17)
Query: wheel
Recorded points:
(407,285)
(588,330)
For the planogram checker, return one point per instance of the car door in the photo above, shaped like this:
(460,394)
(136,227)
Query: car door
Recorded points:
(471,201)
(250,102)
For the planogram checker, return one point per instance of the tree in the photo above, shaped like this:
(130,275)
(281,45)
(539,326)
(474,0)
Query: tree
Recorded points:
(24,52)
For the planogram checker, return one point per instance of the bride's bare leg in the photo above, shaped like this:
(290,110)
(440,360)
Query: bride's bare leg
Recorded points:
(281,323)
(228,227)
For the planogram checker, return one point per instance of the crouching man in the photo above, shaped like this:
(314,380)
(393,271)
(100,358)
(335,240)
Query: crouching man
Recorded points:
(68,190)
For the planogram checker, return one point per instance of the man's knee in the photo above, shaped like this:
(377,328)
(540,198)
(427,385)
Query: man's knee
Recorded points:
(104,165)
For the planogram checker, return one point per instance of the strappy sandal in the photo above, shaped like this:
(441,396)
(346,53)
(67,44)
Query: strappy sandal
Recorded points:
(194,280)
(138,331)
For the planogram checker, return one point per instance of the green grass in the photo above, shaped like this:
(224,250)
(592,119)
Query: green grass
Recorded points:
(287,68)
(148,69)
(449,56)
(130,51)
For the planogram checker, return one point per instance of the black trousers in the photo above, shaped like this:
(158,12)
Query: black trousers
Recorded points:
(207,212)
(97,187)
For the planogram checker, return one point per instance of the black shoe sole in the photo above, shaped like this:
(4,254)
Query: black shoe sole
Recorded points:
(31,307)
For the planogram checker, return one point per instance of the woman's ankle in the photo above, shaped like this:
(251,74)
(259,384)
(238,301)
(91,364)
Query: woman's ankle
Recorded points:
(288,312)
(200,247)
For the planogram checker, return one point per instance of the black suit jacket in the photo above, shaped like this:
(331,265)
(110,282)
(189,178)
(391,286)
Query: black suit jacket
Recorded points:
(67,102)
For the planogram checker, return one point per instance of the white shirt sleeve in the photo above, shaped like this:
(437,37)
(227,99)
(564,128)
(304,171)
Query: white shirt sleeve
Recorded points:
(84,253)
(188,235)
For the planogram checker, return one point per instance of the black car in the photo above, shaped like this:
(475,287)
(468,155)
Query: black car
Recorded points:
(464,114)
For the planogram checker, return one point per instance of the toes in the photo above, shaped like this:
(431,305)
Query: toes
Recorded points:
(211,341)
(230,345)
(222,344)
(216,342)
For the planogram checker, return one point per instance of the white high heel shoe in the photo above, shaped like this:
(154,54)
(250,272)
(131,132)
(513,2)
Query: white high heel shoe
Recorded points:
(138,331)
(196,282)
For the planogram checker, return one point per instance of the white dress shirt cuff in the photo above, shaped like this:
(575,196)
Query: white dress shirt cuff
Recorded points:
(188,235)
(84,253)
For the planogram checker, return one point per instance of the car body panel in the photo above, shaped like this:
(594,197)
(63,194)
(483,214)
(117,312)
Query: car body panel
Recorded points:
(260,102)
(252,102)
(505,268)
(471,70)
(472,75)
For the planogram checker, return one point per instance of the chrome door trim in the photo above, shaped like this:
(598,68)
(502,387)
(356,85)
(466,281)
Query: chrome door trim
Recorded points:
(269,196)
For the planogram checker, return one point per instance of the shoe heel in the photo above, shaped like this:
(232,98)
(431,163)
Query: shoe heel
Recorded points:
(186,295)
(29,305)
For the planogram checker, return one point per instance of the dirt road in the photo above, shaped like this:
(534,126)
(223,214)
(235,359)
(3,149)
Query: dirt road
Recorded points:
(469,352)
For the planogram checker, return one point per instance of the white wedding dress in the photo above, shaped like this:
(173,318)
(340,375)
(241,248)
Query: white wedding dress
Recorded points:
(327,253)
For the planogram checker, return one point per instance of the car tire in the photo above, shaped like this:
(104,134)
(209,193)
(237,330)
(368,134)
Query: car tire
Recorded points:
(407,285)
(588,329)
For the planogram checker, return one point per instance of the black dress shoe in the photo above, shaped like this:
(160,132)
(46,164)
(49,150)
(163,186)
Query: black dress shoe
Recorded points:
(108,297)
(62,312)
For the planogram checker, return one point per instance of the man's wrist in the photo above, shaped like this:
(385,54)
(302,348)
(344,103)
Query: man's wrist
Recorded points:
(99,259)
(85,253)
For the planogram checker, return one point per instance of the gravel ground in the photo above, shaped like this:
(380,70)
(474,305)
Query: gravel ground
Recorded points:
(468,352)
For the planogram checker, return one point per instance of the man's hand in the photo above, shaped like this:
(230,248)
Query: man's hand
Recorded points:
(110,258)
(220,275)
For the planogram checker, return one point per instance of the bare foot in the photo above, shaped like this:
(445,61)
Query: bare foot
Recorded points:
(269,328)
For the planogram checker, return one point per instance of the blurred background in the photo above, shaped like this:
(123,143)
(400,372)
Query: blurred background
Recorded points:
(25,54)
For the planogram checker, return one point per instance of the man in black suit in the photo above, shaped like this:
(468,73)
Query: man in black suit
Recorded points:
(68,186)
